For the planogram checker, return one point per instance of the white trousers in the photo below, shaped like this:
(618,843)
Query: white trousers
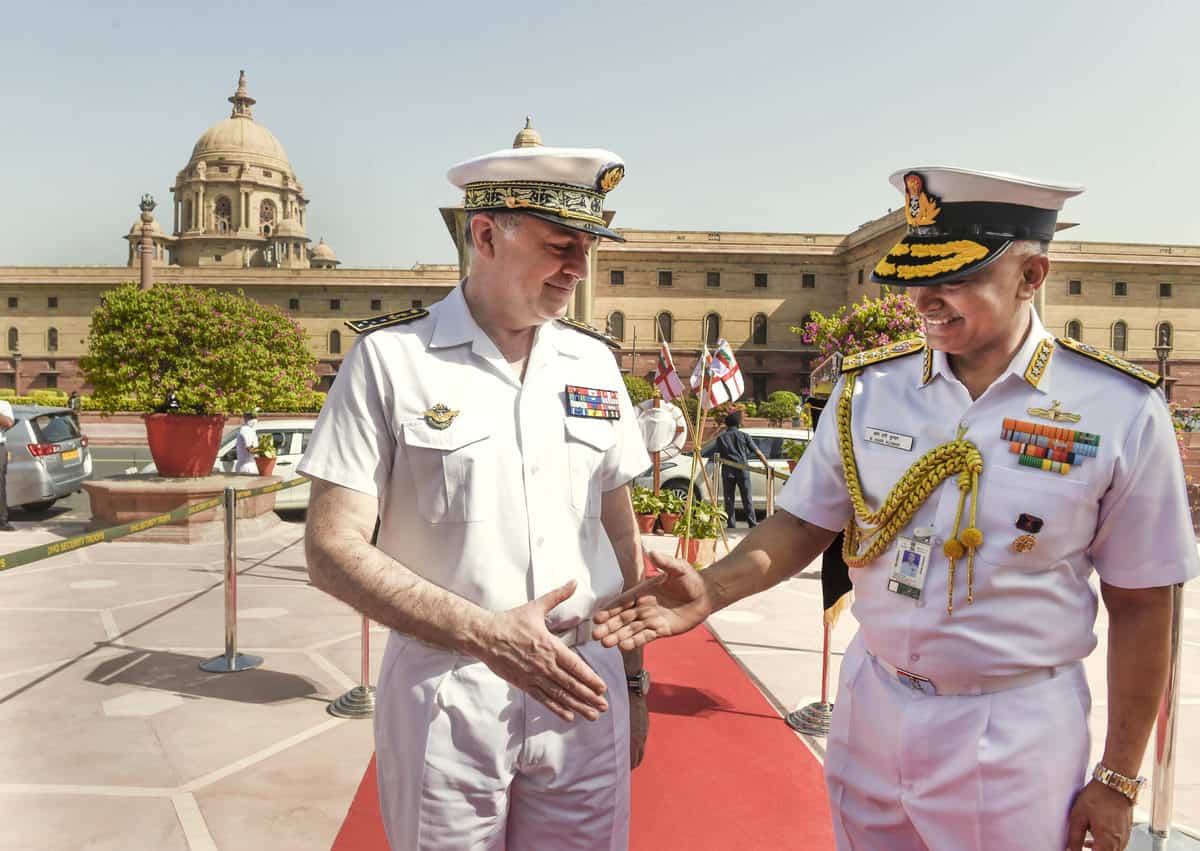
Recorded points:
(466,761)
(908,771)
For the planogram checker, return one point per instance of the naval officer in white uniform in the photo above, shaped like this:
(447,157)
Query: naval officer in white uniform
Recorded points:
(982,473)
(495,441)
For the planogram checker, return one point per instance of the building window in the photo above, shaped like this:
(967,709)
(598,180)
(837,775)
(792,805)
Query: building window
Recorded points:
(759,326)
(335,304)
(1164,334)
(224,169)
(377,304)
(1164,290)
(52,381)
(760,280)
(335,343)
(1074,287)
(416,303)
(616,277)
(712,280)
(216,258)
(266,215)
(223,214)
(12,301)
(52,302)
(1075,329)
(860,277)
(712,324)
(268,173)
(664,330)
(616,324)
(808,281)
(14,339)
(52,339)
(293,304)
(1119,331)
(1120,289)
(664,278)
(759,384)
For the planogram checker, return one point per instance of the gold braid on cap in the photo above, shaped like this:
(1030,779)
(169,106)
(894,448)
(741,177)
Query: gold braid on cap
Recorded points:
(881,527)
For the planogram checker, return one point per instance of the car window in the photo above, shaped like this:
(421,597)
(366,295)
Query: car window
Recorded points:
(54,428)
(772,447)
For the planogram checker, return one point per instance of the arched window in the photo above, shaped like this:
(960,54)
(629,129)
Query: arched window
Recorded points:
(266,216)
(1075,329)
(664,330)
(1164,334)
(52,339)
(14,339)
(759,327)
(712,324)
(616,324)
(223,214)
(1119,332)
(335,343)
(187,215)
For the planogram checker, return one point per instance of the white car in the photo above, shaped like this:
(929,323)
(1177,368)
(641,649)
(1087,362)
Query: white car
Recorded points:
(291,439)
(674,473)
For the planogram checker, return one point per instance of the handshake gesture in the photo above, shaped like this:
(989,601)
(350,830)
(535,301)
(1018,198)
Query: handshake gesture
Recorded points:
(672,602)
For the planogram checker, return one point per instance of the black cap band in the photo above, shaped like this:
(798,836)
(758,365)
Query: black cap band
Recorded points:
(990,219)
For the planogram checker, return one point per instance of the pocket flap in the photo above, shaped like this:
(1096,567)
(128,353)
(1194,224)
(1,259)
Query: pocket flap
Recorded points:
(462,432)
(597,433)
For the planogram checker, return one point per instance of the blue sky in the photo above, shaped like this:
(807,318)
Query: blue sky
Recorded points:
(773,116)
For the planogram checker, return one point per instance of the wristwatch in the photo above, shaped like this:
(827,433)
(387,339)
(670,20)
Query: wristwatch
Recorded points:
(1127,786)
(639,683)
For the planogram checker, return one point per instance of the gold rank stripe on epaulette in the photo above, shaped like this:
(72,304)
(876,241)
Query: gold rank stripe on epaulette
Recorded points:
(584,328)
(1111,360)
(374,323)
(1039,361)
(927,366)
(871,357)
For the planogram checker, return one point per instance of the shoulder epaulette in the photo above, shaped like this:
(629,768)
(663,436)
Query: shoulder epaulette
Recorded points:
(584,328)
(374,323)
(1110,360)
(850,363)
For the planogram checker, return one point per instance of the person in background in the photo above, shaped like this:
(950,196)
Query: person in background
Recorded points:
(735,445)
(247,443)
(6,422)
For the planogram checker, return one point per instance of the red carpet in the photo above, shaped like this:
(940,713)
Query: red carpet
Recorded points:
(721,771)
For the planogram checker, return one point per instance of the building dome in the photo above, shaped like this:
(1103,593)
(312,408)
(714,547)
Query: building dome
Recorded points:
(527,137)
(289,227)
(240,138)
(321,251)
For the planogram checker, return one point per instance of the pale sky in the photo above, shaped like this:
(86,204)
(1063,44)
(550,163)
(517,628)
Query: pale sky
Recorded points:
(759,116)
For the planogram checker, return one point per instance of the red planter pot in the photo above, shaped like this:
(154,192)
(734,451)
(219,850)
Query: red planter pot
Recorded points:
(646,523)
(668,522)
(184,445)
(701,551)
(266,466)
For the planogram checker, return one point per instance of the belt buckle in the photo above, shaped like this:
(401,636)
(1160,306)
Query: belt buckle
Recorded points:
(915,681)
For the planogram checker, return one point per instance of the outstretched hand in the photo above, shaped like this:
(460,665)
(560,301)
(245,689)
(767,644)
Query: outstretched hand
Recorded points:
(668,604)
(520,649)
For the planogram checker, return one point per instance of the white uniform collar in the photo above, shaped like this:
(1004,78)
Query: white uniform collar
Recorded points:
(454,326)
(1031,363)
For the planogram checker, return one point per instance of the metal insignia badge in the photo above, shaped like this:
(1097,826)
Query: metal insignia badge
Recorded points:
(609,177)
(1054,413)
(920,207)
(440,417)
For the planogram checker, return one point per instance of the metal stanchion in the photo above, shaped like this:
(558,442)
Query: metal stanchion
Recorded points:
(359,702)
(1157,834)
(231,661)
(813,720)
(770,490)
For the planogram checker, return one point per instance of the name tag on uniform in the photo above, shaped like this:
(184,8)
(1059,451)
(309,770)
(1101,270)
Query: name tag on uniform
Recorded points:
(591,402)
(891,439)
(908,571)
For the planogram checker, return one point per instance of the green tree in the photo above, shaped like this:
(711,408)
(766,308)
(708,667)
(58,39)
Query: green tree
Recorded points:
(639,389)
(780,407)
(220,352)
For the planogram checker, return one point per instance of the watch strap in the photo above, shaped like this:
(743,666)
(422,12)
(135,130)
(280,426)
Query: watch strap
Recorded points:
(1127,786)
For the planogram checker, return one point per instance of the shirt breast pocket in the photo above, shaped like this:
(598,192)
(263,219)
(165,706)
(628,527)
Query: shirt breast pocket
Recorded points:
(453,469)
(1065,506)
(587,441)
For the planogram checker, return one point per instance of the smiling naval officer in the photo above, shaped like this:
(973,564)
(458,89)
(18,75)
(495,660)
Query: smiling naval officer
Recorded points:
(982,474)
(495,440)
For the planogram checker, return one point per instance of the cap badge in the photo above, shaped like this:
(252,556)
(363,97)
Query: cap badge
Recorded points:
(439,417)
(609,177)
(920,208)
(1054,413)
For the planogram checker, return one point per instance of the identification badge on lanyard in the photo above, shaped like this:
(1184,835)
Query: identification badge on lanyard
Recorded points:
(912,562)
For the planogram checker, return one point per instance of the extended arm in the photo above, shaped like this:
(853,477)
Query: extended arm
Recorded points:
(1139,655)
(515,644)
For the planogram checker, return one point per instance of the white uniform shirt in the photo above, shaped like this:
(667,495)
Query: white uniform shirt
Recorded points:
(503,504)
(1123,513)
(246,443)
(5,411)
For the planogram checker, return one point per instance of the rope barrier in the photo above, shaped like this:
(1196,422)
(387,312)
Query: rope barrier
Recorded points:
(112,533)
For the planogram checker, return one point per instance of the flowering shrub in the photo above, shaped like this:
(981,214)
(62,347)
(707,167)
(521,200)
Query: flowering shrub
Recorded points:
(863,325)
(220,352)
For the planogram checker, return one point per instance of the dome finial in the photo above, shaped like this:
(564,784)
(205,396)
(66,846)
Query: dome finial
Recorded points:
(241,99)
(528,137)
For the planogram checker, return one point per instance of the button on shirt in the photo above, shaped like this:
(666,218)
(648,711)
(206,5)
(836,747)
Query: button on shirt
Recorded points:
(1123,513)
(502,503)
